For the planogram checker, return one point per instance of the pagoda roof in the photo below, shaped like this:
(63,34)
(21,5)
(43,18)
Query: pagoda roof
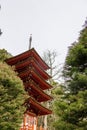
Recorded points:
(31,74)
(37,93)
(30,53)
(31,62)
(37,108)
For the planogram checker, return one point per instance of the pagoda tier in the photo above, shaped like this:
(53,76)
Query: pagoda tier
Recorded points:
(35,92)
(30,53)
(29,63)
(31,74)
(34,107)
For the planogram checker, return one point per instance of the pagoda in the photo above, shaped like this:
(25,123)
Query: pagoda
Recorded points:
(32,70)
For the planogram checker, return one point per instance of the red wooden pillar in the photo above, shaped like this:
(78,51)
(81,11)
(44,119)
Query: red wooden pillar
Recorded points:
(24,122)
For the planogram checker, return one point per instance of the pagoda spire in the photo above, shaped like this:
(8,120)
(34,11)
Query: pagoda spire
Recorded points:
(30,40)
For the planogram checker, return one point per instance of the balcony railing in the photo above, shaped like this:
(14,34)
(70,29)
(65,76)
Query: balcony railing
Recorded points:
(31,128)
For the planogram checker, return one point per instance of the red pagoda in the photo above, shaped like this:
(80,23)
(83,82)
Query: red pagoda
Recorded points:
(32,70)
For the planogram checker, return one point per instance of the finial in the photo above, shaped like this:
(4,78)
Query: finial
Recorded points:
(85,24)
(30,40)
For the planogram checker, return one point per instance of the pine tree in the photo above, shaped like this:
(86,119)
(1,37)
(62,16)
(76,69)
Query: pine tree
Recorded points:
(12,96)
(72,105)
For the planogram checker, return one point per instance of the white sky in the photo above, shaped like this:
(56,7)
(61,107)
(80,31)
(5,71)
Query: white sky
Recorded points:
(54,24)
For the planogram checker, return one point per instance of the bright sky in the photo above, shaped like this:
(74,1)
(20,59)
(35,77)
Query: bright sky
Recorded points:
(54,24)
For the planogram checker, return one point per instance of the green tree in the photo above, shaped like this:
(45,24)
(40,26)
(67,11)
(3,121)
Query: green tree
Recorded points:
(71,108)
(12,96)
(4,55)
(0,32)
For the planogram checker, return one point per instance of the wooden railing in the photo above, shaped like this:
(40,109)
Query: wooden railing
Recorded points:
(31,128)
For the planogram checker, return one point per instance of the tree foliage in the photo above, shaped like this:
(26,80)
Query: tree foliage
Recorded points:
(71,107)
(12,96)
(4,55)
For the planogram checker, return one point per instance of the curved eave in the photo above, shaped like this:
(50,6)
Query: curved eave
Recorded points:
(37,108)
(32,52)
(36,92)
(32,63)
(30,113)
(30,74)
